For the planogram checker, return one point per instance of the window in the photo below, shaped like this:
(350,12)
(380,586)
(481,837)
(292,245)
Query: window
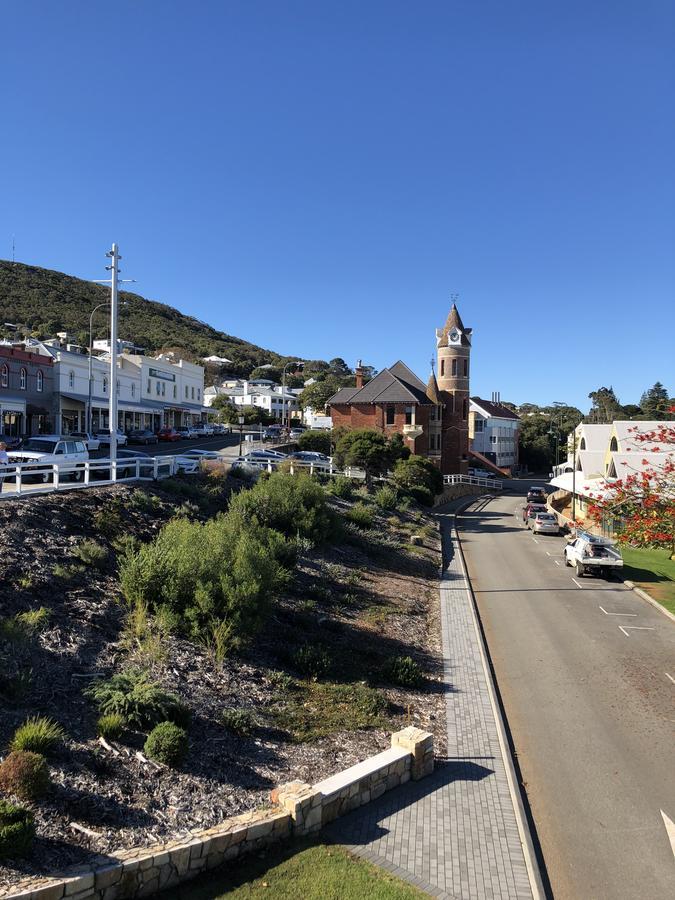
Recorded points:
(163,389)
(105,385)
(478,425)
(390,414)
(409,415)
(454,367)
(193,392)
(71,379)
(186,391)
(22,379)
(442,368)
(466,368)
(157,388)
(40,380)
(199,393)
(613,445)
(174,392)
(582,445)
(133,389)
(4,376)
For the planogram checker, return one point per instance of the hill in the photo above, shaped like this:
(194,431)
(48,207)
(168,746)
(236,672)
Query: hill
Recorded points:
(42,302)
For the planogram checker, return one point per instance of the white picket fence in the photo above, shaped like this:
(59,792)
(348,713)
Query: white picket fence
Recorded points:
(490,483)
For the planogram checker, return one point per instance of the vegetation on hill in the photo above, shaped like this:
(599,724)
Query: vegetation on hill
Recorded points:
(42,302)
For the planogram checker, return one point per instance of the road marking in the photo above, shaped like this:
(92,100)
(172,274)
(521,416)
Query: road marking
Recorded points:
(556,562)
(617,614)
(547,553)
(535,540)
(625,628)
(670,830)
(671,677)
(577,584)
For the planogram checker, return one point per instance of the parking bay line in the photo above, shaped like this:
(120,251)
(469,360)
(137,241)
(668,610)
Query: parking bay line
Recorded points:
(577,584)
(634,615)
(671,677)
(556,562)
(625,628)
(535,540)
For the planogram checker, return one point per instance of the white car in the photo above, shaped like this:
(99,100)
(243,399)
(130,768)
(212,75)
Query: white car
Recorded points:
(190,460)
(104,437)
(258,459)
(92,442)
(593,554)
(46,450)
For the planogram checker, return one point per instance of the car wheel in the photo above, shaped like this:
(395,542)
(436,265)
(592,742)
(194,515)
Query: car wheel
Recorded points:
(579,570)
(566,559)
(77,475)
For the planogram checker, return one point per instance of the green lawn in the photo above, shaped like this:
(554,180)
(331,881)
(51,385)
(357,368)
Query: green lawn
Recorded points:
(653,571)
(298,872)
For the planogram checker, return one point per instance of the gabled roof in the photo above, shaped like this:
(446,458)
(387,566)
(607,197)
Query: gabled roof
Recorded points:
(494,410)
(397,384)
(596,436)
(628,432)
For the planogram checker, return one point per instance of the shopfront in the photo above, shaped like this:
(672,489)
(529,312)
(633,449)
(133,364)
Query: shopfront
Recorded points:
(12,417)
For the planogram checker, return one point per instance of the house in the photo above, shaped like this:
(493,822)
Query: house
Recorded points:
(431,418)
(493,432)
(261,392)
(26,392)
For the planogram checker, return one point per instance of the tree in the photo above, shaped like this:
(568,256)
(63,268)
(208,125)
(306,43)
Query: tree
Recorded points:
(655,402)
(418,472)
(397,448)
(228,412)
(317,395)
(606,407)
(318,441)
(536,447)
(339,367)
(272,373)
(365,449)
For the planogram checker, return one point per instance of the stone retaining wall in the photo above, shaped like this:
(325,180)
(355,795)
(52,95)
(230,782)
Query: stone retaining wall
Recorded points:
(297,809)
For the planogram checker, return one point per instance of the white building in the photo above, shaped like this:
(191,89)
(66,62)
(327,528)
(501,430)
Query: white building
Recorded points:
(277,402)
(494,431)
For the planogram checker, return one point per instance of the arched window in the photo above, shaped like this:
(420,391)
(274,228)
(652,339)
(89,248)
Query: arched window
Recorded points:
(22,379)
(105,385)
(40,380)
(613,445)
(582,444)
(71,379)
(4,376)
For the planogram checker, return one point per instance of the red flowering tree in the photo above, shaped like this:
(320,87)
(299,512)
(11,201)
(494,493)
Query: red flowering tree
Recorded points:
(641,503)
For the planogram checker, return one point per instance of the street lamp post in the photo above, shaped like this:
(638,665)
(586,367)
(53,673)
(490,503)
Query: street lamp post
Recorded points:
(240,420)
(91,374)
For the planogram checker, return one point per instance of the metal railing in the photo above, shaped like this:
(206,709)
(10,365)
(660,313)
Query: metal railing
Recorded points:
(491,483)
(23,479)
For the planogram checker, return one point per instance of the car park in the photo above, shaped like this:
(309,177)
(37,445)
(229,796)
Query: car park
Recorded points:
(168,434)
(536,495)
(142,436)
(47,450)
(104,437)
(544,523)
(531,510)
(592,554)
(91,440)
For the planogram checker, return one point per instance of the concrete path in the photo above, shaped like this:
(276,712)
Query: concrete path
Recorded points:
(455,834)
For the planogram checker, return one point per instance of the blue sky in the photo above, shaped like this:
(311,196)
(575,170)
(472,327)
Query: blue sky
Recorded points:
(319,177)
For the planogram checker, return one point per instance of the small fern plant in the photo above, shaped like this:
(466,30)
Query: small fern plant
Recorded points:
(142,703)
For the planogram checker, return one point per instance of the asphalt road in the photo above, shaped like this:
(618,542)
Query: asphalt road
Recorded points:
(586,671)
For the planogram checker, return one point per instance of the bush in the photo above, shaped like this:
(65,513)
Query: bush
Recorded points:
(404,671)
(17,830)
(140,702)
(365,448)
(39,734)
(223,570)
(240,721)
(317,441)
(292,504)
(167,743)
(418,472)
(386,497)
(91,554)
(312,662)
(34,620)
(360,515)
(341,487)
(25,774)
(111,727)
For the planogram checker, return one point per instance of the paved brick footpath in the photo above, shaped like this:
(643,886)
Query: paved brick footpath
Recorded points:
(453,834)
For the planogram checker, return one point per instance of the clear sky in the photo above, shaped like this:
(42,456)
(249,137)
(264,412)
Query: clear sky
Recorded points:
(319,177)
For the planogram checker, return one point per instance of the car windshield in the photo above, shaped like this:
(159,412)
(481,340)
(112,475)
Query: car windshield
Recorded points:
(39,446)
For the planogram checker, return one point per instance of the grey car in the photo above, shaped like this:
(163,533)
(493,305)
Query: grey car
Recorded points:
(545,523)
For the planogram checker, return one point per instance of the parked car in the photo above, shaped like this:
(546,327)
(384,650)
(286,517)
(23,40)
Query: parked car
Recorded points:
(590,553)
(312,458)
(272,433)
(295,433)
(199,454)
(536,495)
(101,471)
(220,428)
(142,436)
(544,523)
(168,434)
(91,440)
(258,459)
(48,449)
(531,510)
(104,437)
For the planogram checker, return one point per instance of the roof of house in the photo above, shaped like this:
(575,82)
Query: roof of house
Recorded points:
(627,434)
(596,436)
(494,410)
(432,388)
(397,384)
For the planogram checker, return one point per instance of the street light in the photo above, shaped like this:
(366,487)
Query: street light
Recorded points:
(241,420)
(91,373)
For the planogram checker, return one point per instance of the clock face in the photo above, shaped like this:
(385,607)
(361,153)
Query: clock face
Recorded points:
(454,336)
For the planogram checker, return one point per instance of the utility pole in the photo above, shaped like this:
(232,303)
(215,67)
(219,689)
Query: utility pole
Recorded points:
(113,268)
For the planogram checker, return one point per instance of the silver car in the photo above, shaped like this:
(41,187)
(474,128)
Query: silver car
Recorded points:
(545,523)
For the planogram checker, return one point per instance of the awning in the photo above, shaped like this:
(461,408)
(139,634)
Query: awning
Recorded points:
(74,398)
(12,405)
(582,487)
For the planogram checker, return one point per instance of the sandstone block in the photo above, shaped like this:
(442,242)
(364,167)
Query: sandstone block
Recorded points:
(107,876)
(48,892)
(79,884)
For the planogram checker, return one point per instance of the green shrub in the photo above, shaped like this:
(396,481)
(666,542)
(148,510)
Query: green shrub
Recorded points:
(282,681)
(108,520)
(422,494)
(25,774)
(223,570)
(92,554)
(386,497)
(311,662)
(341,487)
(404,671)
(39,734)
(111,727)
(144,502)
(360,515)
(67,573)
(167,743)
(17,830)
(317,441)
(140,702)
(34,620)
(240,721)
(418,473)
(292,504)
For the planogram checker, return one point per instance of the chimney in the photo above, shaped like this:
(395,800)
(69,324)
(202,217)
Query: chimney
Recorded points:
(358,371)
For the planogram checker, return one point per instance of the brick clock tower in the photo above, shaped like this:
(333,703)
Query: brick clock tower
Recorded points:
(453,348)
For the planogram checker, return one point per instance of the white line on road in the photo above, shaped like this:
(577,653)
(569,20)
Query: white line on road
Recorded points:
(617,614)
(625,628)
(535,540)
(670,830)
(671,677)
(547,553)
(577,584)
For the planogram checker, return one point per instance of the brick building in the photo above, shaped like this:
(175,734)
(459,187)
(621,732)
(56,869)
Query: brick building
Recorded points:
(26,392)
(432,418)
